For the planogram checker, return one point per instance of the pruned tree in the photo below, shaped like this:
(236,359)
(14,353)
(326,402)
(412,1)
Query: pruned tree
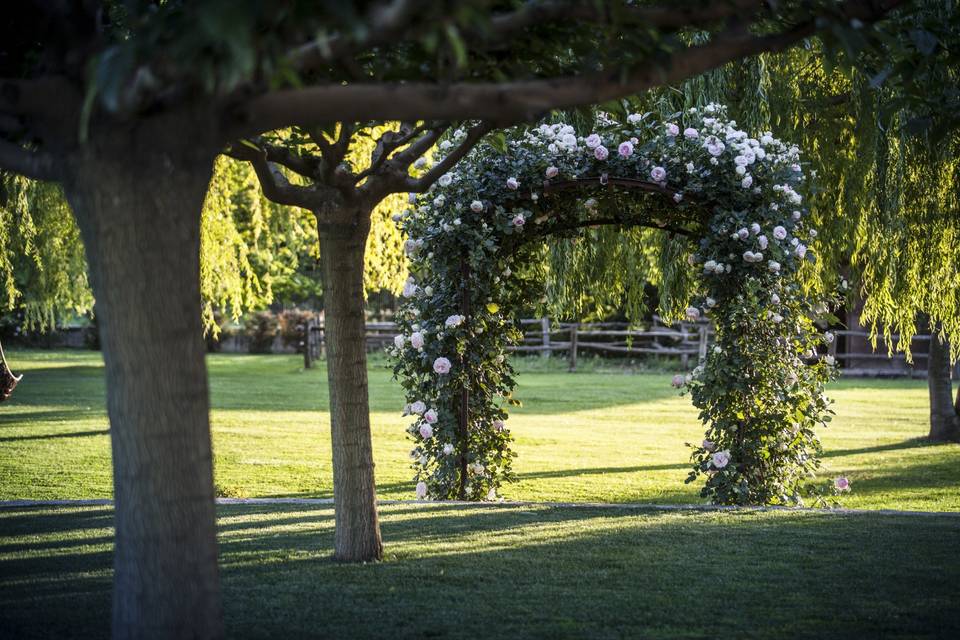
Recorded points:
(126,105)
(342,198)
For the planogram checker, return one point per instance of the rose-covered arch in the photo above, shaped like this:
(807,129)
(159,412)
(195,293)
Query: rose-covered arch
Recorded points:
(733,197)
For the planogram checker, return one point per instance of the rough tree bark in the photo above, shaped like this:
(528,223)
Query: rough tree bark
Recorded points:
(357,537)
(137,198)
(944,421)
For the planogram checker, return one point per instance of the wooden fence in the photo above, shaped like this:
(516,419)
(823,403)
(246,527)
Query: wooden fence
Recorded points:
(687,341)
(542,336)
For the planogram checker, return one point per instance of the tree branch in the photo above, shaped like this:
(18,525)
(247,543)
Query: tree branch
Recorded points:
(307,167)
(520,100)
(387,144)
(273,183)
(469,142)
(384,23)
(36,165)
(666,17)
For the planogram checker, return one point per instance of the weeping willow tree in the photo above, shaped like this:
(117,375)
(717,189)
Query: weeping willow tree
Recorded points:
(881,141)
(253,251)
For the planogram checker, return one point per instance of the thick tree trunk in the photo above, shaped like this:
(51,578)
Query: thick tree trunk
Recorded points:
(138,200)
(357,537)
(944,422)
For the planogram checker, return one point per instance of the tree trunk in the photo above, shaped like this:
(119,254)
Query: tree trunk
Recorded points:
(138,199)
(357,536)
(944,423)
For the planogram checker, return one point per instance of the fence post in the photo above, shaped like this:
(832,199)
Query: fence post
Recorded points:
(573,346)
(322,339)
(702,351)
(307,354)
(545,333)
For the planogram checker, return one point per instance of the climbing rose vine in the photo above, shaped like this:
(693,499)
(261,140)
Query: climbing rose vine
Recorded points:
(694,175)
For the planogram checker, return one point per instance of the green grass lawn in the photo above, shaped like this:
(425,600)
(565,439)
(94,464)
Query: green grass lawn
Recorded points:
(591,436)
(495,571)
(518,572)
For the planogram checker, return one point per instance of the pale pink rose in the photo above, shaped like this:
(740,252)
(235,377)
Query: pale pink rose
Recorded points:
(476,206)
(779,232)
(592,141)
(518,220)
(416,340)
(418,407)
(720,459)
(677,381)
(708,445)
(552,172)
(693,314)
(625,149)
(690,133)
(512,184)
(601,153)
(431,417)
(421,490)
(842,484)
(672,129)
(426,431)
(659,174)
(763,242)
(498,425)
(441,365)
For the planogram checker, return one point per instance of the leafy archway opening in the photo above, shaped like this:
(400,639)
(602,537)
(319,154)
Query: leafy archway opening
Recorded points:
(736,241)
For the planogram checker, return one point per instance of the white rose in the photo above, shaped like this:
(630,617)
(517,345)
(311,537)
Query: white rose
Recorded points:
(447,449)
(476,206)
(445,180)
(398,341)
(773,266)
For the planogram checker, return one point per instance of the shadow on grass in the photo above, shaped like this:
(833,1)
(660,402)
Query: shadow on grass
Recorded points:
(47,436)
(912,443)
(573,473)
(538,572)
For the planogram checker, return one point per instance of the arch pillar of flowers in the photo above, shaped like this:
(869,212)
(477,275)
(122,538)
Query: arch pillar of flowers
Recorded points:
(734,201)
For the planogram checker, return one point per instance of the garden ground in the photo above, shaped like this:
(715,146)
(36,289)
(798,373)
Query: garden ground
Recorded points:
(499,571)
(517,572)
(593,436)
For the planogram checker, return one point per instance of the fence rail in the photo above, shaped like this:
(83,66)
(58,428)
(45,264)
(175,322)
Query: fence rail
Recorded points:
(687,340)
